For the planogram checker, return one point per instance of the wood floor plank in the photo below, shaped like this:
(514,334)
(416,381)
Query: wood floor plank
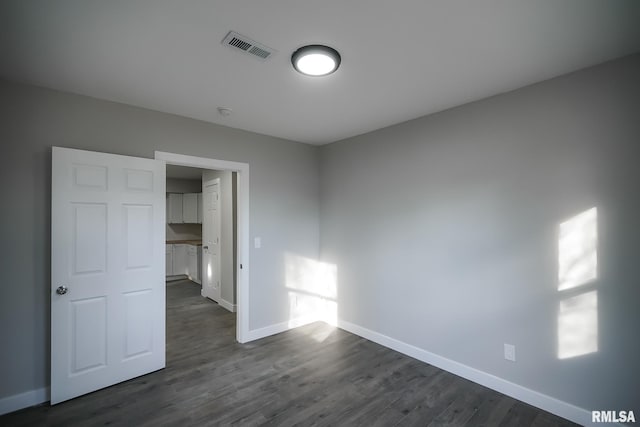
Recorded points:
(314,375)
(519,415)
(492,410)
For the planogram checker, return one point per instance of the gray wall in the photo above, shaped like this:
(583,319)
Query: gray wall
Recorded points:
(180,185)
(283,205)
(227,234)
(444,230)
(184,232)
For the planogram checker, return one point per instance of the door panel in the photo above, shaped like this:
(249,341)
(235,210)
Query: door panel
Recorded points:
(139,327)
(107,239)
(89,245)
(89,334)
(138,220)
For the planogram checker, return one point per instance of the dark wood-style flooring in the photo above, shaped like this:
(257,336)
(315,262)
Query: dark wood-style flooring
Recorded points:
(314,375)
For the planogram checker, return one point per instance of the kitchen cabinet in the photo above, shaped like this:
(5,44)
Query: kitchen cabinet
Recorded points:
(175,206)
(199,261)
(184,259)
(192,262)
(168,265)
(179,259)
(184,208)
(190,208)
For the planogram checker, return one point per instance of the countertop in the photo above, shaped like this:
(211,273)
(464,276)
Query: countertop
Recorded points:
(185,242)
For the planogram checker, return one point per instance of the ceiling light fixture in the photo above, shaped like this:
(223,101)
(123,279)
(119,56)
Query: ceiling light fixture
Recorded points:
(316,60)
(225,111)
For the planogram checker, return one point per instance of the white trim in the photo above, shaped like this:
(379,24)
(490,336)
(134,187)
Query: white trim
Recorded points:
(23,400)
(242,318)
(200,162)
(539,400)
(226,304)
(256,334)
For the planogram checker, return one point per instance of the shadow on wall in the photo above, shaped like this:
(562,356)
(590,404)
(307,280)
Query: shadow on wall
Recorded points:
(577,279)
(312,291)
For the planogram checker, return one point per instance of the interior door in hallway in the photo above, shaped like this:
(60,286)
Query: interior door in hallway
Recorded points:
(107,270)
(211,239)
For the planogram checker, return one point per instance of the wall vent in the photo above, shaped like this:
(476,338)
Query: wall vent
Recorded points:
(248,46)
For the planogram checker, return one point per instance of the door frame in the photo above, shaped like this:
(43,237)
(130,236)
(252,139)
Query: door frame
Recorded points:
(242,255)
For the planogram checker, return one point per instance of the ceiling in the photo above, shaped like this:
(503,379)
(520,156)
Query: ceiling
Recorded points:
(401,59)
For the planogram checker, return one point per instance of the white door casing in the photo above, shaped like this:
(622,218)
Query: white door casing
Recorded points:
(107,238)
(211,239)
(243,265)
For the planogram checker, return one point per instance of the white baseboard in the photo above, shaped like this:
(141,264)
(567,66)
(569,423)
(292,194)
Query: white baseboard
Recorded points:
(23,400)
(534,398)
(256,334)
(226,304)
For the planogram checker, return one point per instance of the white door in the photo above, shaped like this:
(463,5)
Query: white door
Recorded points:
(211,239)
(107,270)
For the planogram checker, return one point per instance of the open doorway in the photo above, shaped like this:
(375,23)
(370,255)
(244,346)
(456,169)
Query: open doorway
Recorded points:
(201,231)
(235,266)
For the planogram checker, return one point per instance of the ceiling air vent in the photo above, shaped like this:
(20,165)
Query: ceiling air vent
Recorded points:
(248,46)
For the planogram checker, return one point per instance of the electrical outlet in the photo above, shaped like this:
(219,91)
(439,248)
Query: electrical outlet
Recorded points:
(257,242)
(510,352)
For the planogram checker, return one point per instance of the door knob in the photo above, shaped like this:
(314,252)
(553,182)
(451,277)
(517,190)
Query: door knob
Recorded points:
(62,290)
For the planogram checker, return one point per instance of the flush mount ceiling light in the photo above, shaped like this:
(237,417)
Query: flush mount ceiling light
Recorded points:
(225,111)
(315,60)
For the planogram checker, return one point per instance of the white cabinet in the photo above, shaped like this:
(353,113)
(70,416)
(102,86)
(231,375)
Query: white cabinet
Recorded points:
(190,208)
(192,262)
(174,204)
(199,262)
(184,259)
(184,208)
(168,266)
(179,259)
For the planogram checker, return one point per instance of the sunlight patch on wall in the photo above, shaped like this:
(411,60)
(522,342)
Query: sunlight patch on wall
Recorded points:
(312,290)
(577,275)
(309,275)
(577,250)
(578,325)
